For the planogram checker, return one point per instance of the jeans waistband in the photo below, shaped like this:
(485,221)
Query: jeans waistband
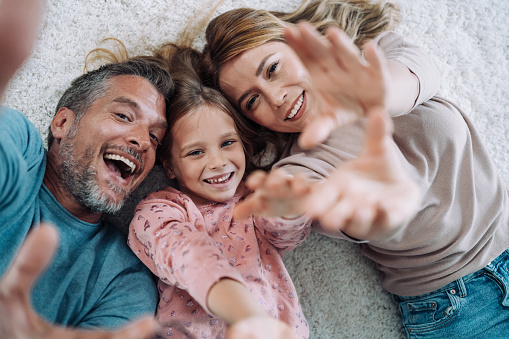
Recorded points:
(498,267)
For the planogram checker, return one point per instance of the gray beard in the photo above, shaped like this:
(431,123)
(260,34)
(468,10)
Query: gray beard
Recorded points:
(79,178)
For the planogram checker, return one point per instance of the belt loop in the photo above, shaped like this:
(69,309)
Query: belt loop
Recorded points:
(461,290)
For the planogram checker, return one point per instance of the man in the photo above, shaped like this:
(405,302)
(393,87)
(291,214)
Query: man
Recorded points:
(101,146)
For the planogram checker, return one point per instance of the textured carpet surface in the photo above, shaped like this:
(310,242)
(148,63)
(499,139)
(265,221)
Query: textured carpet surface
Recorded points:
(339,289)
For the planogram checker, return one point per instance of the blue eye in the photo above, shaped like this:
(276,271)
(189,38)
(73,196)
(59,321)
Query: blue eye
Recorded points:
(194,153)
(227,143)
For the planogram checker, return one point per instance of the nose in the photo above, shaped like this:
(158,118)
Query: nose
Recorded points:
(139,137)
(217,161)
(276,96)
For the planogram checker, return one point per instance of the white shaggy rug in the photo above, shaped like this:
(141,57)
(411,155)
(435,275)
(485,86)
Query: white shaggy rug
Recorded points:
(339,289)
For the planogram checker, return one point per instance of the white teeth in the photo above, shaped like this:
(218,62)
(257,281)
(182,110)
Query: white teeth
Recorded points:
(129,163)
(296,107)
(219,180)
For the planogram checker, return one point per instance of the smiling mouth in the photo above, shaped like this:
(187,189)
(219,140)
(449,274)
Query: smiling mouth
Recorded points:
(296,108)
(220,179)
(122,166)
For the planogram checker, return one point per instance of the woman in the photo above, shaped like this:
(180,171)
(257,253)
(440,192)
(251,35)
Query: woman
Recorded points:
(453,253)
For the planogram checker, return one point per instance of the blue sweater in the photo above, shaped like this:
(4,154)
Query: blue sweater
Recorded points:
(94,281)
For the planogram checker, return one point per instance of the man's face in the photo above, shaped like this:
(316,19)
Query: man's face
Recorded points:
(114,146)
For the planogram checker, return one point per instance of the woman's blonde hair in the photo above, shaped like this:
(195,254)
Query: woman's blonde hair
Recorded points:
(239,30)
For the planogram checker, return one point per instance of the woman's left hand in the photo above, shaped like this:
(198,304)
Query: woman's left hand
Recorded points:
(351,85)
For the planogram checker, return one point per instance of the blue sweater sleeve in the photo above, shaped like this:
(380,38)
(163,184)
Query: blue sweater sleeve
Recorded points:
(21,154)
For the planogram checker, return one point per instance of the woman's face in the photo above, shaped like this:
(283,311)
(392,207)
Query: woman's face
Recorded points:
(270,85)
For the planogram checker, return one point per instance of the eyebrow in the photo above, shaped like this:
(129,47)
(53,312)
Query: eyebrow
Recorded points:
(124,100)
(258,72)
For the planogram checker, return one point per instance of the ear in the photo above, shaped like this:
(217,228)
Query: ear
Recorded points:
(168,168)
(61,123)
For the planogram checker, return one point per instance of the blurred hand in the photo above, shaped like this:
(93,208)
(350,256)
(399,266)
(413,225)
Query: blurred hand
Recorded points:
(369,197)
(351,86)
(260,327)
(19,20)
(17,318)
(276,194)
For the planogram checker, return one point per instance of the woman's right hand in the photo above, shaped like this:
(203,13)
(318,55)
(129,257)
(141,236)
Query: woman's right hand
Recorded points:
(350,84)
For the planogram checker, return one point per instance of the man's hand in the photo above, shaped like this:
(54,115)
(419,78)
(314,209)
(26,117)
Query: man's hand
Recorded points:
(17,318)
(19,20)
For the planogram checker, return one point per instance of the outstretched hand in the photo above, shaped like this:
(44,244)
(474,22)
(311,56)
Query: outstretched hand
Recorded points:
(19,20)
(369,197)
(260,327)
(275,194)
(351,85)
(17,318)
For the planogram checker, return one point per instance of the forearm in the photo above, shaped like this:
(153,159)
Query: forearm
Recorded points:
(230,300)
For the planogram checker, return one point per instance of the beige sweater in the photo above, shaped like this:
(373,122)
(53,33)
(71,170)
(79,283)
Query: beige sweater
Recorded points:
(463,221)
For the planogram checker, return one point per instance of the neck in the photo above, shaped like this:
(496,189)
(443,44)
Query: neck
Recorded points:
(52,180)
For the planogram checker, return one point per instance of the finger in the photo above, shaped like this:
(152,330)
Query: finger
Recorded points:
(362,220)
(375,57)
(300,185)
(142,328)
(336,218)
(278,179)
(346,53)
(379,128)
(256,179)
(323,197)
(317,131)
(33,257)
(247,207)
(311,47)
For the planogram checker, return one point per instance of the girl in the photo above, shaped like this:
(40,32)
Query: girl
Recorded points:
(452,256)
(215,270)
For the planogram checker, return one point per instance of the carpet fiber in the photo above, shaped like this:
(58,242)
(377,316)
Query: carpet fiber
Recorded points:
(339,289)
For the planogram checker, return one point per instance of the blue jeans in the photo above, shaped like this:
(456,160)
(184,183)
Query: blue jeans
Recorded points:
(475,306)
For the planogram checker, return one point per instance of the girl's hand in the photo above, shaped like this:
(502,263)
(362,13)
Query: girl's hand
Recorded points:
(369,197)
(276,194)
(350,85)
(17,318)
(260,327)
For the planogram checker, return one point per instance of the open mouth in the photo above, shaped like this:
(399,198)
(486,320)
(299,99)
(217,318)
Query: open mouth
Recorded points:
(296,107)
(219,179)
(122,166)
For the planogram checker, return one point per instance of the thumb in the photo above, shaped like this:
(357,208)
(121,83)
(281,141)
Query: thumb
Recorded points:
(316,131)
(34,256)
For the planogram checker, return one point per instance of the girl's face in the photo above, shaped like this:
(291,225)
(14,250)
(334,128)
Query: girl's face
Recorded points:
(207,157)
(270,85)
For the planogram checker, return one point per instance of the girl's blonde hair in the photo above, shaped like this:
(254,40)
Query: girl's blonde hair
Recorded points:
(239,30)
